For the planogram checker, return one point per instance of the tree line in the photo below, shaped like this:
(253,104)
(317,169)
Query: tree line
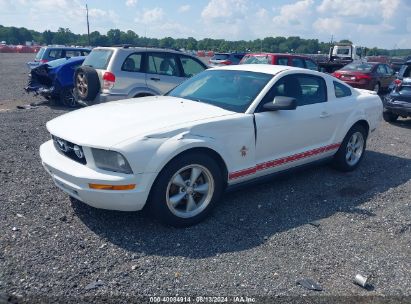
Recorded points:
(293,44)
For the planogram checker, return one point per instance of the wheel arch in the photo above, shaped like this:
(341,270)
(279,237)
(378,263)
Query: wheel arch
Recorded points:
(205,150)
(141,91)
(363,123)
(143,95)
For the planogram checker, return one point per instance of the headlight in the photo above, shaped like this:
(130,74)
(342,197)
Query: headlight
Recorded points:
(111,161)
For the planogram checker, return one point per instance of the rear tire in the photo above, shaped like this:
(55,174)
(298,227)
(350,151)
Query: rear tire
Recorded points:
(86,83)
(377,88)
(389,116)
(186,190)
(67,98)
(352,149)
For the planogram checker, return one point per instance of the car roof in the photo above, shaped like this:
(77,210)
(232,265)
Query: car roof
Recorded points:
(278,54)
(139,48)
(65,48)
(259,68)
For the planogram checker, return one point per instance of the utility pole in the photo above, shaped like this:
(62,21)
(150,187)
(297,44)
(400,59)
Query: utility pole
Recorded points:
(88,27)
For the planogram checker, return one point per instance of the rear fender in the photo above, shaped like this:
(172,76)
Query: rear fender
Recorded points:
(142,90)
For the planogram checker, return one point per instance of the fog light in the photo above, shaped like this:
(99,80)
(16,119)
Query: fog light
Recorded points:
(111,187)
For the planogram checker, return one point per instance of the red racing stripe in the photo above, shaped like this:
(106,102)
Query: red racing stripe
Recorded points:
(282,161)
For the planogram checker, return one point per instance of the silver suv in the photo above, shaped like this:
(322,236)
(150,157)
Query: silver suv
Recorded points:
(112,73)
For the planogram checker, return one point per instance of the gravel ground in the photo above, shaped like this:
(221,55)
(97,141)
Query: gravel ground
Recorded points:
(317,223)
(14,74)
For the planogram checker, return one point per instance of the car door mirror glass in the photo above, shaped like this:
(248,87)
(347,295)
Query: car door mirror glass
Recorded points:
(281,103)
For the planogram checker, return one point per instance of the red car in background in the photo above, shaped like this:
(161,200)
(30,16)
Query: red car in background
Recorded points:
(280,59)
(372,76)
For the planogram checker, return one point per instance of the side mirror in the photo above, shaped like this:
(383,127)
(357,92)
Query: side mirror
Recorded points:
(281,103)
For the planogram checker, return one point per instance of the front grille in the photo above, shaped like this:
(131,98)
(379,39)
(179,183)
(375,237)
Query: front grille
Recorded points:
(72,151)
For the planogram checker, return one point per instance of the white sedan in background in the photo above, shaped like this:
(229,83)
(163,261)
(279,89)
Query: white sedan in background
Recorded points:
(176,154)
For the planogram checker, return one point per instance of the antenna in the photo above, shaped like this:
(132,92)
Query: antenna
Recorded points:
(88,26)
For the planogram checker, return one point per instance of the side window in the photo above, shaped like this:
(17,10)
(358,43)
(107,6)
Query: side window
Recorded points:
(389,70)
(306,89)
(72,53)
(55,54)
(381,70)
(190,66)
(405,71)
(282,61)
(162,64)
(311,65)
(341,90)
(132,63)
(297,62)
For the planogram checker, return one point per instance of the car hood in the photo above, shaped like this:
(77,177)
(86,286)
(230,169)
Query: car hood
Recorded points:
(105,125)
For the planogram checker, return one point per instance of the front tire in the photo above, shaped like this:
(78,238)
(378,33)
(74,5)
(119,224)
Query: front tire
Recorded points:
(352,149)
(186,190)
(389,116)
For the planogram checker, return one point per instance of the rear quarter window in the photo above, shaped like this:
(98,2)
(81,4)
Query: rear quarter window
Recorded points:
(132,63)
(98,59)
(341,90)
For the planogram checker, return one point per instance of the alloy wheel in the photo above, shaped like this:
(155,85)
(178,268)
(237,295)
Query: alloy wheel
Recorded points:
(355,148)
(81,84)
(190,191)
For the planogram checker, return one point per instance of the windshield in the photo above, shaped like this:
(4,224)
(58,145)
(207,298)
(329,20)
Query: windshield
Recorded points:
(256,59)
(40,53)
(230,90)
(363,67)
(343,51)
(98,58)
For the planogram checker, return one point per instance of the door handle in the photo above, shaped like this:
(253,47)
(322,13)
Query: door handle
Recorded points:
(324,114)
(155,79)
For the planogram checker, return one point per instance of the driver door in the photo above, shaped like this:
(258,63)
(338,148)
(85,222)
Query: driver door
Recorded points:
(287,138)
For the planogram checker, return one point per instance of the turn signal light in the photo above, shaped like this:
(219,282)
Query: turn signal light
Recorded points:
(111,187)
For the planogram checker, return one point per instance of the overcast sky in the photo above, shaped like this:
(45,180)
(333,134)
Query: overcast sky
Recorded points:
(380,23)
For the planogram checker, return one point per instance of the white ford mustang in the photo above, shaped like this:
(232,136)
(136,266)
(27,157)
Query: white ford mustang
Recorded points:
(176,154)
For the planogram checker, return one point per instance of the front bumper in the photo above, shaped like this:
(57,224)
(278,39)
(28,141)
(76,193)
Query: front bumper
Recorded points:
(74,179)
